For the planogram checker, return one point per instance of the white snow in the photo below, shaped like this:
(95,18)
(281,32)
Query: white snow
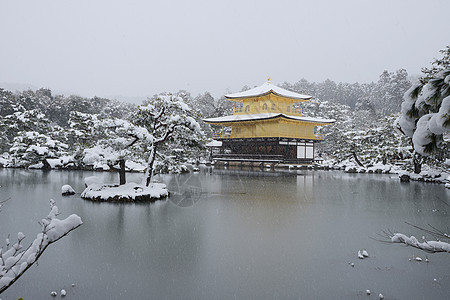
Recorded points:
(129,191)
(98,156)
(14,263)
(431,246)
(135,166)
(39,165)
(38,149)
(267,88)
(54,162)
(92,179)
(67,189)
(215,143)
(265,116)
(364,253)
(422,135)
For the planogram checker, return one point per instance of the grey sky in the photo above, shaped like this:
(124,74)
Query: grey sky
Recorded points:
(139,48)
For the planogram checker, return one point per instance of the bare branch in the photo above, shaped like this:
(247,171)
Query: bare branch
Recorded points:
(427,246)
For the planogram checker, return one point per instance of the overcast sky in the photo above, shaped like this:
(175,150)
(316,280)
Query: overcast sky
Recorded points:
(143,47)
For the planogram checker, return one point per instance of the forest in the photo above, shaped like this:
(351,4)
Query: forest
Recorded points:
(41,130)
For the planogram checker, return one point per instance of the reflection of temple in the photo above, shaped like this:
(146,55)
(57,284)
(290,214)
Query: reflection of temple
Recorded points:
(266,126)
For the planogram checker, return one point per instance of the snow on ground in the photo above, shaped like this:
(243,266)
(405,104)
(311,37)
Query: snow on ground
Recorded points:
(92,179)
(134,166)
(126,192)
(428,174)
(39,165)
(54,162)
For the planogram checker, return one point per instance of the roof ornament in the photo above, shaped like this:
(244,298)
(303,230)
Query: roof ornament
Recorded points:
(269,79)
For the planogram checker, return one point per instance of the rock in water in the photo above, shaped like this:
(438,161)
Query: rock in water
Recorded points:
(360,256)
(63,293)
(67,190)
(405,178)
(364,253)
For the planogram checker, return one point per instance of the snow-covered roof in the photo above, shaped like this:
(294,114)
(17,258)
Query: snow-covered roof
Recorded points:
(255,117)
(265,89)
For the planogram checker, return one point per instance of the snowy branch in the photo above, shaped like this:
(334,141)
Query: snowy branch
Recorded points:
(427,246)
(15,261)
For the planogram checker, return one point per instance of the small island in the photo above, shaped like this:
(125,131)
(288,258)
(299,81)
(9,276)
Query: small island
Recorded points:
(129,192)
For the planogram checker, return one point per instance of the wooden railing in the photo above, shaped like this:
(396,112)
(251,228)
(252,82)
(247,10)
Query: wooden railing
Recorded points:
(249,157)
(221,135)
(254,109)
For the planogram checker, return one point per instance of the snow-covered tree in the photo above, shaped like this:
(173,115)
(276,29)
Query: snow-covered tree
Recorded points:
(82,129)
(389,90)
(28,120)
(8,105)
(30,148)
(425,111)
(166,118)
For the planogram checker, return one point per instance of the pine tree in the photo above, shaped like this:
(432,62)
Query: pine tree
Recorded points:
(425,111)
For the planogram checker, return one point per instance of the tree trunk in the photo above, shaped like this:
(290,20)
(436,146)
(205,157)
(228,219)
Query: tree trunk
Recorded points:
(151,160)
(357,160)
(417,165)
(122,178)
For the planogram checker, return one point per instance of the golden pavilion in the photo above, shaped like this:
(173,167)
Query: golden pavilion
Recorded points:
(266,126)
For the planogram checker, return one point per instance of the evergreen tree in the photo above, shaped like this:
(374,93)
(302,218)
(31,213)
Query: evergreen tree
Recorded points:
(425,111)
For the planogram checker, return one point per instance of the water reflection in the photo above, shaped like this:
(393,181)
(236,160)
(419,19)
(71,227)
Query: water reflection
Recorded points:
(231,234)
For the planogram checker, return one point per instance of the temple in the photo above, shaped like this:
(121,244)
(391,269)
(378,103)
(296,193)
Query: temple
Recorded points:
(266,126)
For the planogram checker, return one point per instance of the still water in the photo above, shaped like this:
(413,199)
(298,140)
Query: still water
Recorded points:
(232,235)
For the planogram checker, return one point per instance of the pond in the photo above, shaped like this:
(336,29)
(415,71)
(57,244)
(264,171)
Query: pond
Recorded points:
(232,234)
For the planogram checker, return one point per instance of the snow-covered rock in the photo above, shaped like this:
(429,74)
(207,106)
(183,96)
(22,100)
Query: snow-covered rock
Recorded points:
(67,190)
